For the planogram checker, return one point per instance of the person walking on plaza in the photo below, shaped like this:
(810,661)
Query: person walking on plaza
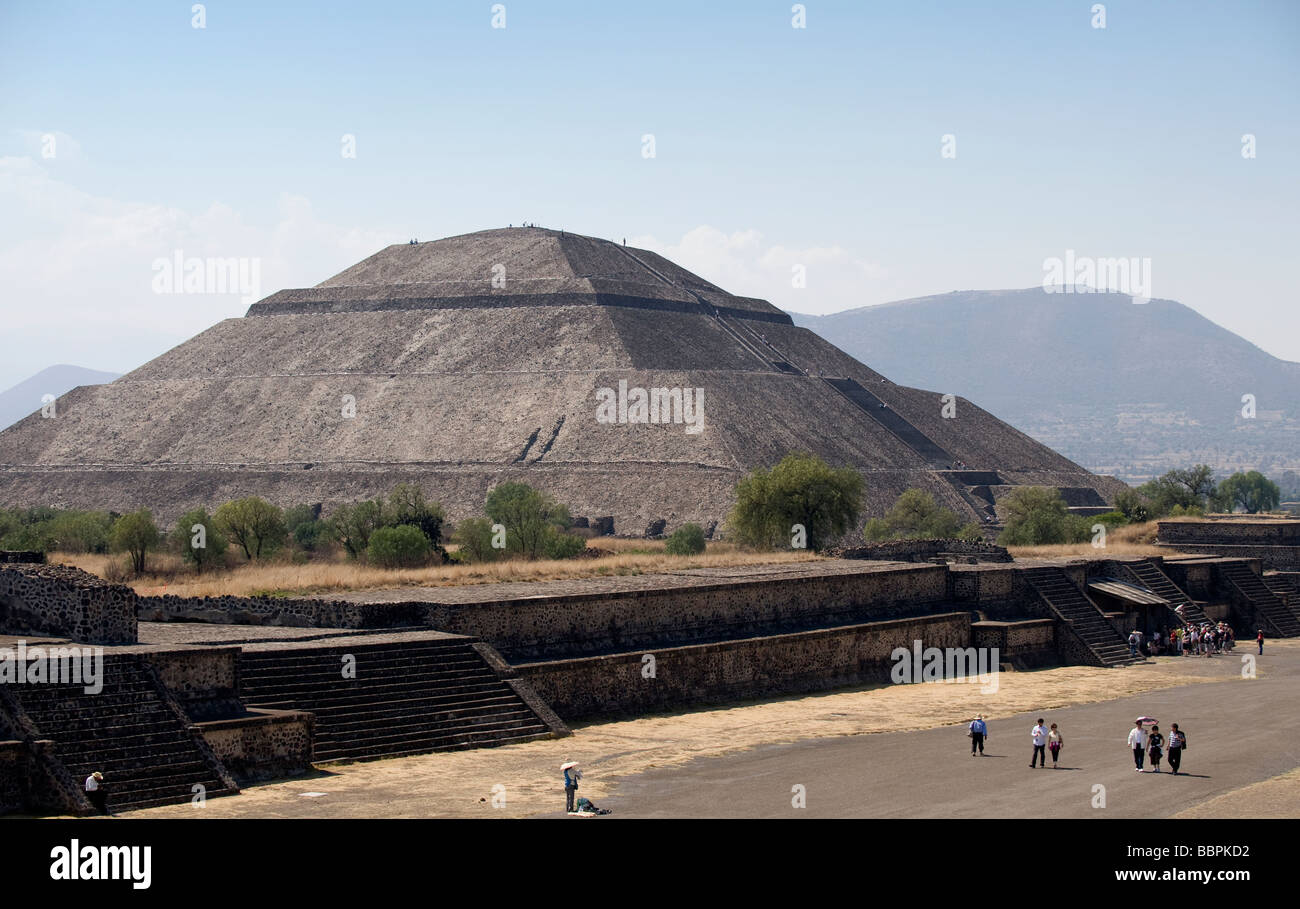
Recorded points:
(979,732)
(1259,639)
(96,792)
(1155,748)
(1133,641)
(571,776)
(1137,740)
(1039,735)
(1054,743)
(1177,743)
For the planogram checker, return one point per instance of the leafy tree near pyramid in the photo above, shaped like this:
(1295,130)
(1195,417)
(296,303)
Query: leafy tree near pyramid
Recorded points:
(802,491)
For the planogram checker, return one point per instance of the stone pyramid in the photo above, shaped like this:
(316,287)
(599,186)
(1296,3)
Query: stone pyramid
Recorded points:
(516,354)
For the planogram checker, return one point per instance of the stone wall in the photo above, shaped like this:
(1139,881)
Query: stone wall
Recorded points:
(67,602)
(1276,543)
(927,550)
(262,744)
(732,670)
(1028,644)
(205,682)
(576,624)
(8,556)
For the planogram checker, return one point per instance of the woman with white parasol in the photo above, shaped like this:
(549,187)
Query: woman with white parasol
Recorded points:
(571,776)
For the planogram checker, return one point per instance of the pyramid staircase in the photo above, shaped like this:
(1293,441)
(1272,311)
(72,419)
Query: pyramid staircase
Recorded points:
(131,731)
(1251,586)
(975,486)
(1149,575)
(889,418)
(1285,590)
(1069,604)
(409,698)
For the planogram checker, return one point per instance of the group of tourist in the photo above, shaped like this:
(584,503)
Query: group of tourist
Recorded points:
(1206,639)
(1146,743)
(1152,744)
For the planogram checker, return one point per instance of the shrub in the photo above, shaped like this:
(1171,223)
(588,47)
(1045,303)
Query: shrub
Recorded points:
(474,537)
(403,546)
(559,545)
(686,540)
(801,490)
(916,516)
(1036,516)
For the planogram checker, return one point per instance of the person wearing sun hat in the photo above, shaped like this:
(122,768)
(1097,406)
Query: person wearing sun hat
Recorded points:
(96,792)
(571,776)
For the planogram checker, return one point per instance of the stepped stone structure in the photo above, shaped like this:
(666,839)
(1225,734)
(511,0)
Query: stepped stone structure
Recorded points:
(465,362)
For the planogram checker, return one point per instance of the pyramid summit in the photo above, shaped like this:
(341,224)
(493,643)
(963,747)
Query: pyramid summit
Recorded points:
(609,376)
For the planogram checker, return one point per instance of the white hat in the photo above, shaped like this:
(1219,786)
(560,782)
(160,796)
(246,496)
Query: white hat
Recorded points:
(568,765)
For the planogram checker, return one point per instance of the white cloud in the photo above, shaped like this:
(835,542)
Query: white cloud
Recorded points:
(50,145)
(76,270)
(743,263)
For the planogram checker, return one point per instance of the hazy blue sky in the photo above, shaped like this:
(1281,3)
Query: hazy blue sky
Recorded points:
(774,146)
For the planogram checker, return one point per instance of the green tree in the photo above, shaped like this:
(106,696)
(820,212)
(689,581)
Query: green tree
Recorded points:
(406,505)
(1035,516)
(134,534)
(254,523)
(530,518)
(80,531)
(1189,489)
(473,536)
(916,516)
(686,540)
(353,524)
(1133,506)
(1252,492)
(203,547)
(801,490)
(302,523)
(403,546)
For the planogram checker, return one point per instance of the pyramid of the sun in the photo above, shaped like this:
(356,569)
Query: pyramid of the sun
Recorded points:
(465,362)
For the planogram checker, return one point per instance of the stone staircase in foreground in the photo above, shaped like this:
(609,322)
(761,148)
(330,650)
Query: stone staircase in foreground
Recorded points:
(1266,603)
(130,732)
(1284,590)
(409,698)
(1088,622)
(1149,575)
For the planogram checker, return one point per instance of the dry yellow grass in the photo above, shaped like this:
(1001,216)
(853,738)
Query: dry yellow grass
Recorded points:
(325,577)
(1132,540)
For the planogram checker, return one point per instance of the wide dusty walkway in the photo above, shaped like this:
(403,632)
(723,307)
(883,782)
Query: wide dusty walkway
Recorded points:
(1239,733)
(854,752)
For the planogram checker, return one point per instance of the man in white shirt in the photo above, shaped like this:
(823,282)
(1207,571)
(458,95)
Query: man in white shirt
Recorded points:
(1039,734)
(1137,740)
(95,791)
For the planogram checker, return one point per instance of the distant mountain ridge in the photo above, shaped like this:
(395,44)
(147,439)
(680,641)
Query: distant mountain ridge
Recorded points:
(1124,388)
(25,397)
